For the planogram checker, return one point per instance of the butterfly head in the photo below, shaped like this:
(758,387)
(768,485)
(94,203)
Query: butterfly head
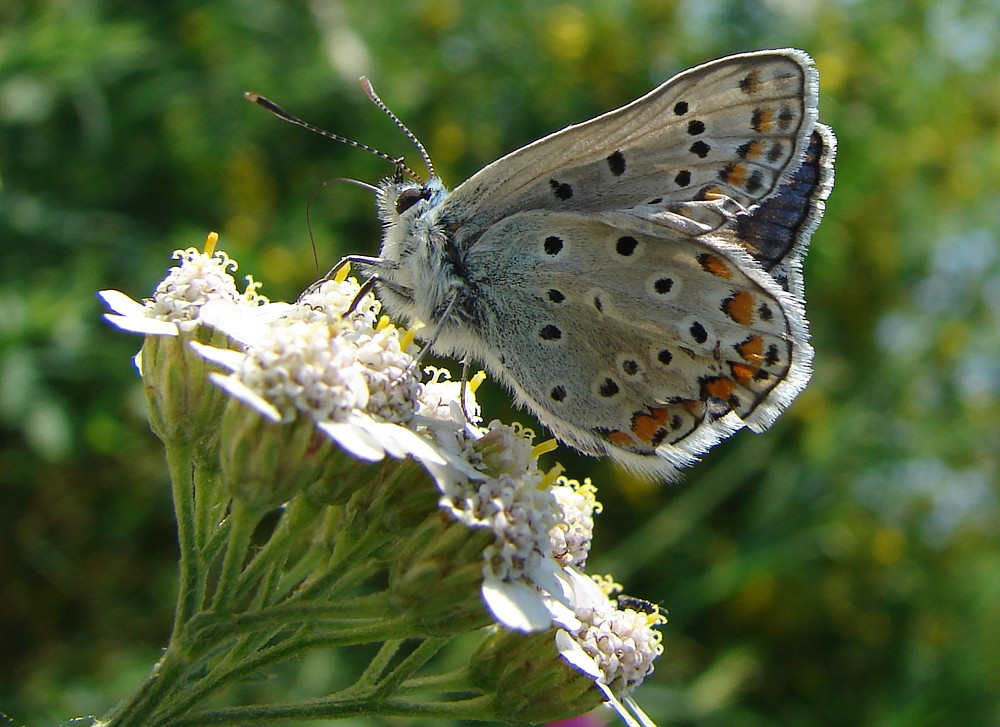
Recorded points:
(399,198)
(406,209)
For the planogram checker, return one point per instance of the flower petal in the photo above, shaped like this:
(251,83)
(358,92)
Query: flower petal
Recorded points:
(238,390)
(147,326)
(241,322)
(546,576)
(350,438)
(573,653)
(586,594)
(644,718)
(122,304)
(517,606)
(224,357)
(627,718)
(405,441)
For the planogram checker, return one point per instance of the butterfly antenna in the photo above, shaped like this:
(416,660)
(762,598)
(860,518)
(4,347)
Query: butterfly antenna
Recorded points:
(366,85)
(285,116)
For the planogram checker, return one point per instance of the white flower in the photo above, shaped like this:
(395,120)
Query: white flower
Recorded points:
(440,399)
(308,360)
(176,304)
(132,316)
(521,585)
(572,536)
(615,646)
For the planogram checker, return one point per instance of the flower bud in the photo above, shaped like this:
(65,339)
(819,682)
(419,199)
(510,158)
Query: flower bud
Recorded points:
(264,463)
(528,680)
(183,405)
(437,575)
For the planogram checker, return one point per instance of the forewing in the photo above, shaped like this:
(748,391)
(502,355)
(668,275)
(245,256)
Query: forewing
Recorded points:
(629,339)
(736,127)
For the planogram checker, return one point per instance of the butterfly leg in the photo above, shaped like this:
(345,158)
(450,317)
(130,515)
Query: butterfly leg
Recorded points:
(464,388)
(365,289)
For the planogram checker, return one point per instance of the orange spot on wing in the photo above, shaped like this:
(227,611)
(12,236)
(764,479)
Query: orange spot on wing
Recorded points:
(646,425)
(735,174)
(720,388)
(694,406)
(709,193)
(755,149)
(740,307)
(743,373)
(752,350)
(762,120)
(622,439)
(715,265)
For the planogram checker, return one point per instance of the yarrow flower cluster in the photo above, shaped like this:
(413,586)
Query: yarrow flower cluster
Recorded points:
(290,394)
(201,277)
(572,535)
(616,642)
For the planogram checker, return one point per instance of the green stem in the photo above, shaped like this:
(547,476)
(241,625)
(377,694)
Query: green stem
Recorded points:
(371,606)
(181,469)
(207,502)
(133,709)
(243,519)
(294,522)
(476,708)
(369,678)
(280,652)
(414,660)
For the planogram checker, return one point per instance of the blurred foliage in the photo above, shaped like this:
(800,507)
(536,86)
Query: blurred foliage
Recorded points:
(842,569)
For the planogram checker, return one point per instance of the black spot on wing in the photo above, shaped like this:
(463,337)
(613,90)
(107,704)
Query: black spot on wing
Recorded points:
(626,245)
(561,190)
(616,163)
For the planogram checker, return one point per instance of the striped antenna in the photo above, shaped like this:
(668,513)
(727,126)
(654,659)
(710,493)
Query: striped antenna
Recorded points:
(370,92)
(285,116)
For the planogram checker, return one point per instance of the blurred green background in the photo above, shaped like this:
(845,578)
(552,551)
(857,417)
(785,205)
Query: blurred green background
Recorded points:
(842,569)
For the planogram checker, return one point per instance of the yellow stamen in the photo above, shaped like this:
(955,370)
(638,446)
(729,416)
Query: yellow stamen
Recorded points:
(210,240)
(409,335)
(549,445)
(656,618)
(607,584)
(476,381)
(551,476)
(341,275)
(383,323)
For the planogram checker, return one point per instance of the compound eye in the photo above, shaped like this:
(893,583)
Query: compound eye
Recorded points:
(409,197)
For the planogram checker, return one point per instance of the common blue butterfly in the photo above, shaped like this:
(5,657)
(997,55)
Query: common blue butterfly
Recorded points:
(636,279)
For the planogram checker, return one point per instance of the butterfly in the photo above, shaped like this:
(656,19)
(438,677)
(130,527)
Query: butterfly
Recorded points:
(634,280)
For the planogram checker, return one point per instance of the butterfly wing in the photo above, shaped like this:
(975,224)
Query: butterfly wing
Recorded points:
(630,340)
(635,279)
(777,232)
(734,128)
